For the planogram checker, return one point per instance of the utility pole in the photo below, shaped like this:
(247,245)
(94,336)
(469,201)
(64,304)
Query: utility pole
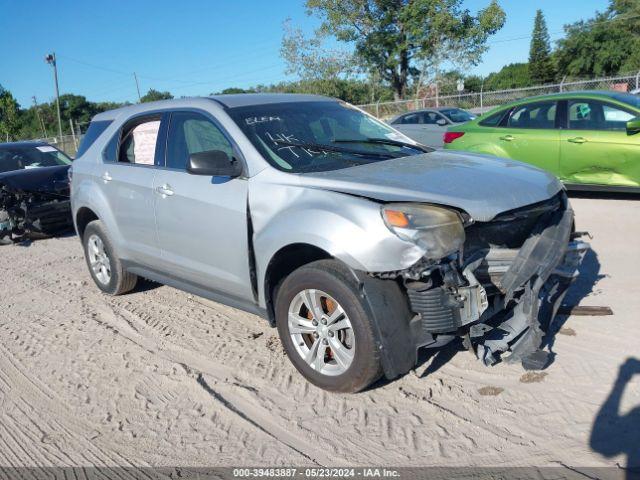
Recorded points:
(137,86)
(35,104)
(73,134)
(51,60)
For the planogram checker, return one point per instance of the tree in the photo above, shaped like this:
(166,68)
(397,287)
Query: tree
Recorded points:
(393,37)
(9,111)
(232,90)
(154,95)
(541,68)
(606,44)
(514,75)
(309,59)
(354,91)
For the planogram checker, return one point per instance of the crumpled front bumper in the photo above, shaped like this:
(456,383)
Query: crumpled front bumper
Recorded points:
(516,334)
(500,299)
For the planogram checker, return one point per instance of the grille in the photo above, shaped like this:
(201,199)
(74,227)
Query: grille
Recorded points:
(509,229)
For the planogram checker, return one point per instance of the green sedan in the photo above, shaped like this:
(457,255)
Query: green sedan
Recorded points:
(590,140)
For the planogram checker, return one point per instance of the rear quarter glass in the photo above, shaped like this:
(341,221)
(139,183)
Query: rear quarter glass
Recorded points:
(93,132)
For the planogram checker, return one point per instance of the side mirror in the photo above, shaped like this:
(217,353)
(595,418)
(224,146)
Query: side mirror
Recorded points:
(442,122)
(214,163)
(633,126)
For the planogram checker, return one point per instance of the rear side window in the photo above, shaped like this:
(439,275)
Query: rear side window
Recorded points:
(93,132)
(431,118)
(411,119)
(492,120)
(595,115)
(190,133)
(110,152)
(139,141)
(535,115)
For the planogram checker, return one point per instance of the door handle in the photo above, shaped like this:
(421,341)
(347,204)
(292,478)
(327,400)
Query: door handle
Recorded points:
(577,140)
(106,177)
(165,190)
(508,138)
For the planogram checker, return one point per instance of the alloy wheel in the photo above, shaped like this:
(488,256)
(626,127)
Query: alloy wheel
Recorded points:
(98,259)
(321,332)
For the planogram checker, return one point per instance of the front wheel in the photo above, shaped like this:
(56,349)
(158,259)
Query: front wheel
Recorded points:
(324,329)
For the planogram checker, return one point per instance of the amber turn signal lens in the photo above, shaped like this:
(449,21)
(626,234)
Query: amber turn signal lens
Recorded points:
(396,218)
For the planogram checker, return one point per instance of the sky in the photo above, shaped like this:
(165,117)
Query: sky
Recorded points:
(194,47)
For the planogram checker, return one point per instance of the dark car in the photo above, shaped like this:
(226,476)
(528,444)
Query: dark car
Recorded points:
(34,191)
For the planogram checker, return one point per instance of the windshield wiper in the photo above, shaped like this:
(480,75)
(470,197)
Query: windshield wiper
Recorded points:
(331,148)
(385,141)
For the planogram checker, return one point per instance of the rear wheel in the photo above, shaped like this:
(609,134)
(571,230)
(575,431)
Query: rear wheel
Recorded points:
(324,328)
(104,265)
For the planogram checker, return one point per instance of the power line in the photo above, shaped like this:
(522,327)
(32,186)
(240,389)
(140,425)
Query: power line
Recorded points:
(221,63)
(587,25)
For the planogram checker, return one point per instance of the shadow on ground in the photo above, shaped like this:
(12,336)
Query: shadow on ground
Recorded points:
(613,433)
(588,277)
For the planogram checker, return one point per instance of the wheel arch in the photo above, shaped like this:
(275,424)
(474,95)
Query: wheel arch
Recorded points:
(83,217)
(282,264)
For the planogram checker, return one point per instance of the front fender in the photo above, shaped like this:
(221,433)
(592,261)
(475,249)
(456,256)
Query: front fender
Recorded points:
(347,227)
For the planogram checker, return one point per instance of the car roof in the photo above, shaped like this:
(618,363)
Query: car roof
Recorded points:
(24,143)
(619,96)
(421,110)
(226,101)
(626,98)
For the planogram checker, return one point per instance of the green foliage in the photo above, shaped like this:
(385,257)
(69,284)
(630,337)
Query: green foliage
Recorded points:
(232,90)
(514,75)
(607,44)
(350,90)
(391,37)
(307,57)
(541,68)
(473,83)
(40,122)
(9,113)
(154,95)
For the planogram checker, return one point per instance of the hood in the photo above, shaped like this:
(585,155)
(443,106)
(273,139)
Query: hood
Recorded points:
(42,179)
(483,186)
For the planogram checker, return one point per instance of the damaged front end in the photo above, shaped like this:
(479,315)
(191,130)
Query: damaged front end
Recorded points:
(34,205)
(502,288)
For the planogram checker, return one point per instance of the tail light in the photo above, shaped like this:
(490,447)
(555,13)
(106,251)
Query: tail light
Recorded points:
(451,136)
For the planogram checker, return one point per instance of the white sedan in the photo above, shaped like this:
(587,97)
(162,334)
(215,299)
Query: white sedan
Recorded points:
(428,126)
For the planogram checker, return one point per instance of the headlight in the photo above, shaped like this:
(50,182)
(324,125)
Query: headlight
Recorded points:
(438,230)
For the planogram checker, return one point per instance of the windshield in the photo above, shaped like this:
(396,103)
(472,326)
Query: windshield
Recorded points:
(457,115)
(23,157)
(319,136)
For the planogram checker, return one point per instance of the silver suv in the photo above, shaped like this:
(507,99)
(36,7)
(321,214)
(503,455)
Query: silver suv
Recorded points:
(360,245)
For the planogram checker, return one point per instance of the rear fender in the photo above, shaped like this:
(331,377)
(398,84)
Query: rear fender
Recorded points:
(86,193)
(488,149)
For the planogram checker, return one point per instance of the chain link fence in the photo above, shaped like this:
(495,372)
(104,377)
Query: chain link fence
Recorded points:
(480,102)
(67,143)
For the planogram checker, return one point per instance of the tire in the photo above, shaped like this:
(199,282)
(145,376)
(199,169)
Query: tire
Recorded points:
(350,358)
(118,280)
(6,240)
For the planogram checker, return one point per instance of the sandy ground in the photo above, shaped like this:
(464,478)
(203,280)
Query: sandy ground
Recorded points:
(159,377)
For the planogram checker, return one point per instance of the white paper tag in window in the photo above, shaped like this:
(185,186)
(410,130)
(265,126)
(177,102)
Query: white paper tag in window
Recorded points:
(144,138)
(46,149)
